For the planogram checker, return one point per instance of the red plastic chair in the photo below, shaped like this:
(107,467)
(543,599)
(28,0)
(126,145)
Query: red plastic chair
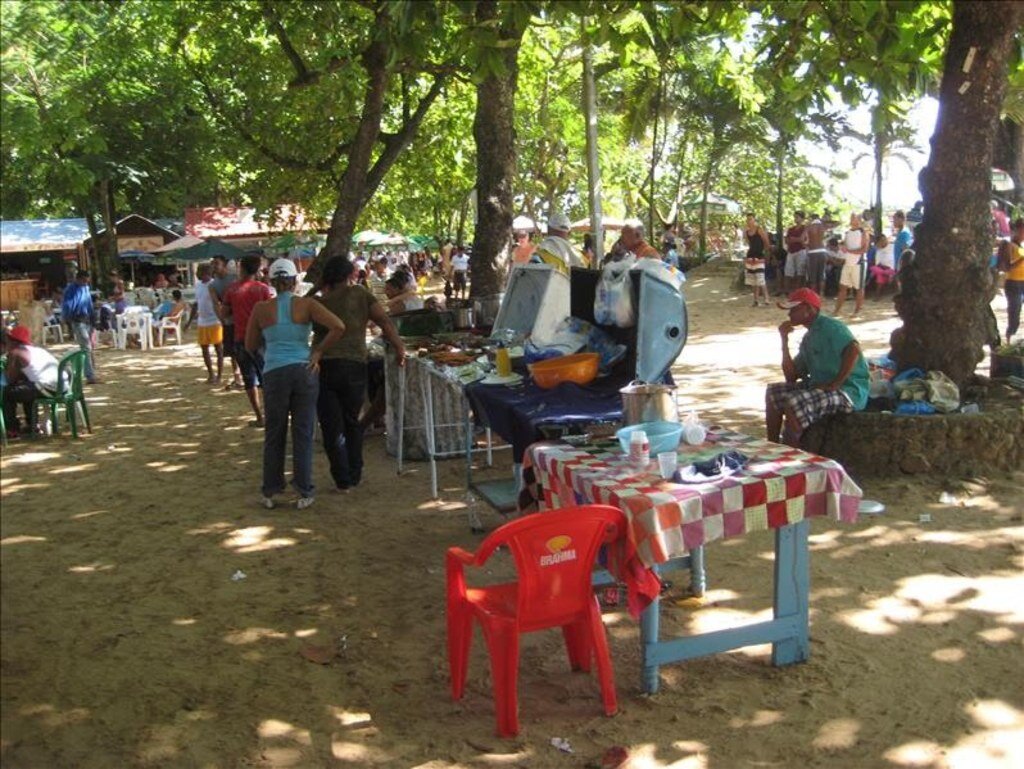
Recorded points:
(554,554)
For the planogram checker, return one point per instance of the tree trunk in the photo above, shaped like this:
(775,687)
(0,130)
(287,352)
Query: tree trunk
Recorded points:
(654,155)
(460,227)
(352,187)
(780,161)
(879,158)
(946,292)
(106,247)
(705,187)
(494,132)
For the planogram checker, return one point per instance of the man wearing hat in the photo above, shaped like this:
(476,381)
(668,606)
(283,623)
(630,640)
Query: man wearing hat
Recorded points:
(31,372)
(827,376)
(556,249)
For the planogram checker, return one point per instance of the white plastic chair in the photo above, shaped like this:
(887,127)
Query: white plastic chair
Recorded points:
(52,325)
(170,326)
(133,323)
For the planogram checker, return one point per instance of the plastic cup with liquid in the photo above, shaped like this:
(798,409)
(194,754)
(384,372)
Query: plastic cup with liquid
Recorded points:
(668,461)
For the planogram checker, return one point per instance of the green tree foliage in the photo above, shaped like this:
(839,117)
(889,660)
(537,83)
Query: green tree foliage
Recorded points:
(97,120)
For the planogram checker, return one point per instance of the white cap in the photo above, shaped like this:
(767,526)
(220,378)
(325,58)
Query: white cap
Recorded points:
(283,268)
(558,221)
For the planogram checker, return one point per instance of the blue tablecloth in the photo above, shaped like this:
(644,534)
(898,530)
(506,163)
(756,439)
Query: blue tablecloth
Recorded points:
(517,413)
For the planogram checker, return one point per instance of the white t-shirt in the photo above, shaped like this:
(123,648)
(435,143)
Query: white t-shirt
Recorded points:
(884,256)
(41,368)
(460,263)
(854,240)
(206,315)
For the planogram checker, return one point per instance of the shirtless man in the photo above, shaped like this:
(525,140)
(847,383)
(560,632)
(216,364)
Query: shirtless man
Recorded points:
(817,255)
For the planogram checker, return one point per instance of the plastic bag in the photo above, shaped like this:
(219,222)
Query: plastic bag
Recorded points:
(613,299)
(694,431)
(943,393)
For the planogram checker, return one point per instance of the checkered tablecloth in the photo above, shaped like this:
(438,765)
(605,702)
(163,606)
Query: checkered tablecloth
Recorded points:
(779,486)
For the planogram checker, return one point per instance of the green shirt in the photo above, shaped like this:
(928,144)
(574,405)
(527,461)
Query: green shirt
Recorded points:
(821,358)
(352,304)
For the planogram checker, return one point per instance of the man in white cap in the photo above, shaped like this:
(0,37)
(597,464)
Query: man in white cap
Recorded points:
(556,249)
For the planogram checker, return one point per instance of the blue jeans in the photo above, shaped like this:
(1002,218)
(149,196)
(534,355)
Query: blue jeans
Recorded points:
(83,338)
(289,391)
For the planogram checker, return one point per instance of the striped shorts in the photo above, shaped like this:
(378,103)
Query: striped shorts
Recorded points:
(808,403)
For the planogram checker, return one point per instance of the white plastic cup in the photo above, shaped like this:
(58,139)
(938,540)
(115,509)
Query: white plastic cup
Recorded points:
(668,461)
(694,434)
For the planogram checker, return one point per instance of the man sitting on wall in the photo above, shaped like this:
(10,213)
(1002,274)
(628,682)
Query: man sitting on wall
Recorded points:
(827,376)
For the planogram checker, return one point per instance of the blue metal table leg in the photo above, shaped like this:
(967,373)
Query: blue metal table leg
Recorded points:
(792,585)
(698,579)
(649,630)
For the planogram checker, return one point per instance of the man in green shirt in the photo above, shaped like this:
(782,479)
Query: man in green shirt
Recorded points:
(827,376)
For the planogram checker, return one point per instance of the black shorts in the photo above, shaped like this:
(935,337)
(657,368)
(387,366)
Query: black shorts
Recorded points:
(229,345)
(250,366)
(459,279)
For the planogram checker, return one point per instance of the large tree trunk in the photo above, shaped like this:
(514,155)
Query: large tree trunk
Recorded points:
(352,187)
(947,288)
(494,132)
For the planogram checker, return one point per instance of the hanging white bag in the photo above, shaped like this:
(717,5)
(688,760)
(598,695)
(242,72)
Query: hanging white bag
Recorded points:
(613,299)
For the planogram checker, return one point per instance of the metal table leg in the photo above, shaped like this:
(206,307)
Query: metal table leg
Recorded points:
(400,416)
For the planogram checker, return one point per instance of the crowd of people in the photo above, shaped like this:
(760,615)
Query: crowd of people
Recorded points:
(251,316)
(817,254)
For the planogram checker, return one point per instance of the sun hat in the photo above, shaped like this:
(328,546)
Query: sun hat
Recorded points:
(558,221)
(801,296)
(283,268)
(20,334)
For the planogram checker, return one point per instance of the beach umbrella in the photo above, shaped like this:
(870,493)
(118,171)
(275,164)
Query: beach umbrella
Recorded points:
(607,223)
(387,240)
(207,250)
(1001,181)
(524,224)
(142,256)
(366,236)
(186,241)
(716,205)
(422,242)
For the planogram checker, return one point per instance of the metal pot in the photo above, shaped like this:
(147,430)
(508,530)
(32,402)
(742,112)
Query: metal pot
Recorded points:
(463,317)
(642,402)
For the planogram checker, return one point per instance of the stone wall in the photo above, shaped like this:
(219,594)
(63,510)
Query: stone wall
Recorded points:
(877,444)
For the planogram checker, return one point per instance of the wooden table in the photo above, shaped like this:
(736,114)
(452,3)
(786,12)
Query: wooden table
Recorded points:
(779,489)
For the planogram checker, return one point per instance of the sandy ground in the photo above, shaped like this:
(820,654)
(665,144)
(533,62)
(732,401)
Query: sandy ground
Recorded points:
(126,643)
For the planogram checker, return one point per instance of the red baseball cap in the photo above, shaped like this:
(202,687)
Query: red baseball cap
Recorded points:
(801,296)
(20,334)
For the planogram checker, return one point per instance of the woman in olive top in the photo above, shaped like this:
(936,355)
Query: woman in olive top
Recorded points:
(343,368)
(290,381)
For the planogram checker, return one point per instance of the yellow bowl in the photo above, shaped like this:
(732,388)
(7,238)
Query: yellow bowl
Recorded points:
(580,368)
